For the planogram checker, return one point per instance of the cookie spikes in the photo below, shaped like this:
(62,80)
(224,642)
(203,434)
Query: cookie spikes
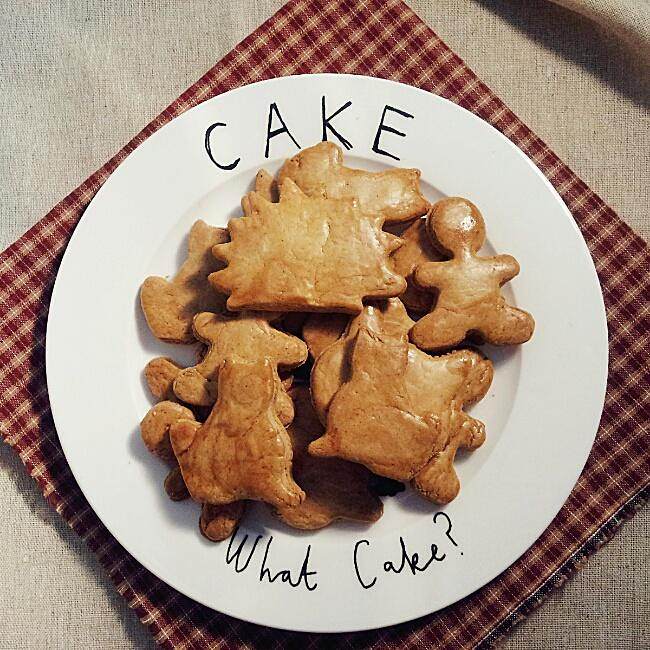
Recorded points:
(306,254)
(468,286)
(242,451)
(392,193)
(335,489)
(170,305)
(245,337)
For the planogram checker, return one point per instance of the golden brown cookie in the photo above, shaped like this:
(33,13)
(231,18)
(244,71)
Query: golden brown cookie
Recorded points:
(241,337)
(332,367)
(175,485)
(334,488)
(154,428)
(170,305)
(305,254)
(266,186)
(321,330)
(417,249)
(219,522)
(372,419)
(393,193)
(242,451)
(468,286)
(160,374)
(441,385)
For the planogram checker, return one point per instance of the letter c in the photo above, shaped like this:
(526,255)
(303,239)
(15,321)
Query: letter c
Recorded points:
(208,148)
(365,585)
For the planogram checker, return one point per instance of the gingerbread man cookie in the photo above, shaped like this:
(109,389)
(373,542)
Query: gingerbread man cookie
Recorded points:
(305,254)
(170,305)
(242,451)
(393,193)
(468,286)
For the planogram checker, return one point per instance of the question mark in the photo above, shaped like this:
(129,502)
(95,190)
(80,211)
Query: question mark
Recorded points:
(449,525)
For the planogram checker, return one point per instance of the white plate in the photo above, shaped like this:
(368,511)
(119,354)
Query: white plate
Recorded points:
(541,413)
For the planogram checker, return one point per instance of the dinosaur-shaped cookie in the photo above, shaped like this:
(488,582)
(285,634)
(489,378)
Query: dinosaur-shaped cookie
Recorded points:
(242,451)
(170,305)
(305,254)
(334,488)
(441,386)
(468,286)
(245,336)
(393,193)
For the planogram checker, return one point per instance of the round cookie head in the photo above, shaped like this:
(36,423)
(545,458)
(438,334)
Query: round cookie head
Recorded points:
(457,225)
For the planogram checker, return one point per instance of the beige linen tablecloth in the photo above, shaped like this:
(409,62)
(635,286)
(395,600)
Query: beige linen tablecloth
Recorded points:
(80,78)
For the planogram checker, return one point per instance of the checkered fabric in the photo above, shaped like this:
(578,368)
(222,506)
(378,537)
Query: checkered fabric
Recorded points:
(381,38)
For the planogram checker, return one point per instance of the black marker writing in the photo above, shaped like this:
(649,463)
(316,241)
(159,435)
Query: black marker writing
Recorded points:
(273,108)
(356,565)
(445,516)
(326,123)
(285,574)
(235,557)
(208,148)
(241,561)
(407,560)
(412,561)
(385,127)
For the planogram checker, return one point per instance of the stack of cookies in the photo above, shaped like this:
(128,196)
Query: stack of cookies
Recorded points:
(333,319)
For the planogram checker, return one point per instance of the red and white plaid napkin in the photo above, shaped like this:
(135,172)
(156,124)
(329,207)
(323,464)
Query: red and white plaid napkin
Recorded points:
(382,38)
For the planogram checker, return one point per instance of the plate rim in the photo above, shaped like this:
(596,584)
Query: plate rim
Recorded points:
(433,97)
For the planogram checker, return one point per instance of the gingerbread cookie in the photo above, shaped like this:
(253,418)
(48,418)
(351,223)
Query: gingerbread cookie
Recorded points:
(219,522)
(416,250)
(442,386)
(266,186)
(334,488)
(175,485)
(332,367)
(321,330)
(170,305)
(306,254)
(372,419)
(394,193)
(242,451)
(241,337)
(468,286)
(160,374)
(154,428)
